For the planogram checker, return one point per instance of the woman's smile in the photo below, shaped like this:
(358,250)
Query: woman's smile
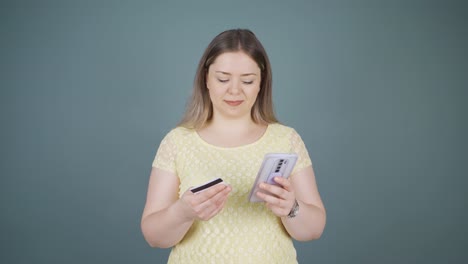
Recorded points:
(234,103)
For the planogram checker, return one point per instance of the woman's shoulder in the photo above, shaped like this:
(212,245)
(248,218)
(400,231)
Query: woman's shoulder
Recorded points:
(180,131)
(278,129)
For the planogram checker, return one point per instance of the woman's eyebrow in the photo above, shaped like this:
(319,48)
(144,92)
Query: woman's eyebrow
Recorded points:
(227,73)
(247,74)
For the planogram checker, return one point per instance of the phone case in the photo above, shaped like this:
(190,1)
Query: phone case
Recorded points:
(274,164)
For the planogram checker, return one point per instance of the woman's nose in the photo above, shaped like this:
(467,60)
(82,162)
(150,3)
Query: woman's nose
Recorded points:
(234,88)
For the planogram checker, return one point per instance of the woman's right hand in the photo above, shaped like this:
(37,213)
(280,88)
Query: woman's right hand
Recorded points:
(204,205)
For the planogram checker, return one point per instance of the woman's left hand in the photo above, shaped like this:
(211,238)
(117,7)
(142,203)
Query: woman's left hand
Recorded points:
(282,197)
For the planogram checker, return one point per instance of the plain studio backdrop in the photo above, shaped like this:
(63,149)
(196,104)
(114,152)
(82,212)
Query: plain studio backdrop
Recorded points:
(377,90)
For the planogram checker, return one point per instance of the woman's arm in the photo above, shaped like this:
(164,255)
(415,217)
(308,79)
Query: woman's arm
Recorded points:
(166,218)
(310,220)
(163,223)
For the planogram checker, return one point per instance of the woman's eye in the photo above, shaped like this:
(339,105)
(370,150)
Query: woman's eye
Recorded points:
(223,80)
(248,82)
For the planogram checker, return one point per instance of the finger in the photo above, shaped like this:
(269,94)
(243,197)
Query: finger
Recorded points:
(278,211)
(211,214)
(210,204)
(214,209)
(273,189)
(221,205)
(277,206)
(220,197)
(285,183)
(270,200)
(210,192)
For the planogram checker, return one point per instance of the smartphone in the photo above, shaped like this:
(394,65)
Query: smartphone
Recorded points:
(206,185)
(273,165)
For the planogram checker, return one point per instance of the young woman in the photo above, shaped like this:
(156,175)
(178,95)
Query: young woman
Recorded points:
(227,129)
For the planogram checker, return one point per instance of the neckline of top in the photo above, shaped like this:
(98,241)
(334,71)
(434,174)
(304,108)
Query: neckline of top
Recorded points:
(257,141)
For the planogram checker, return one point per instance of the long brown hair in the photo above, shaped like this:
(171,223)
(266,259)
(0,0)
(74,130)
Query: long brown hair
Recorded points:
(199,109)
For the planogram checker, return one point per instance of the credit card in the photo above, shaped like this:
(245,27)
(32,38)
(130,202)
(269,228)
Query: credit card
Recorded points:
(206,185)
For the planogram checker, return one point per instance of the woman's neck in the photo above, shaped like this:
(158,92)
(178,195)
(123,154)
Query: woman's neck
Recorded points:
(232,133)
(232,125)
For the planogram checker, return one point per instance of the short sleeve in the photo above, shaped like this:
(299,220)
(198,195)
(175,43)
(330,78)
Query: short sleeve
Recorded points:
(166,155)
(300,149)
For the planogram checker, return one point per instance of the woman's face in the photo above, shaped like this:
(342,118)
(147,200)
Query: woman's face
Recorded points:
(233,82)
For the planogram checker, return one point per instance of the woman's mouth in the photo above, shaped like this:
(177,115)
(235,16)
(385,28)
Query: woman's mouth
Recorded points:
(234,103)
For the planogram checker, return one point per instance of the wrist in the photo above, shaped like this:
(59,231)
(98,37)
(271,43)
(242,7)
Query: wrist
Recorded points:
(182,211)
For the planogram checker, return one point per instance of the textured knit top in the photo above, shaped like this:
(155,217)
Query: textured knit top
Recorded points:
(243,232)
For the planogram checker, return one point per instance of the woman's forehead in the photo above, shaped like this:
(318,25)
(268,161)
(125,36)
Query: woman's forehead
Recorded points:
(235,63)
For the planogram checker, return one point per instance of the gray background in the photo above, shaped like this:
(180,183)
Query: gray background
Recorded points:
(377,89)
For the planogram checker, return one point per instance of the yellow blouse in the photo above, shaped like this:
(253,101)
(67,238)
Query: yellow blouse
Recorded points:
(243,232)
